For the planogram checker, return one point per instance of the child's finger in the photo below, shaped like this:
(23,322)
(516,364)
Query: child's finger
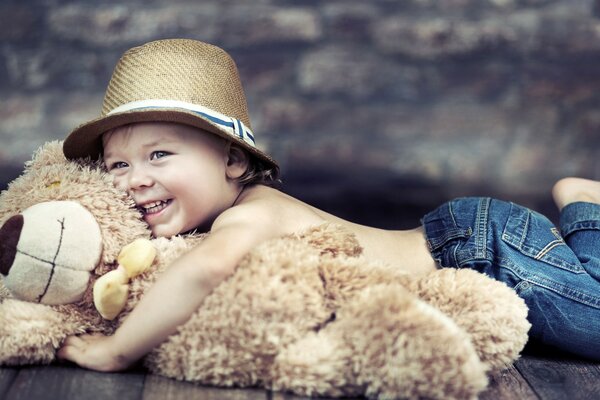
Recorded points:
(69,349)
(65,353)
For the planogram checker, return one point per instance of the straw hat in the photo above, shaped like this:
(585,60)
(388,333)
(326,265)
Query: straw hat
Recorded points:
(174,80)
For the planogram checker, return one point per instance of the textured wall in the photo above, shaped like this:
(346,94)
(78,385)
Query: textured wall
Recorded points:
(368,105)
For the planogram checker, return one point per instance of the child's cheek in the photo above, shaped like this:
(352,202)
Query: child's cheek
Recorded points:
(120,183)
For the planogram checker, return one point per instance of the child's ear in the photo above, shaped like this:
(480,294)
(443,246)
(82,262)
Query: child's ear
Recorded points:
(237,161)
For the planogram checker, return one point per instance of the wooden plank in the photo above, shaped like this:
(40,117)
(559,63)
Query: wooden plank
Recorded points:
(161,388)
(7,376)
(69,382)
(508,385)
(534,376)
(561,378)
(287,396)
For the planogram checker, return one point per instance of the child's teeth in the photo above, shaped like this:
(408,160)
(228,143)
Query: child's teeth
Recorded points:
(153,204)
(154,207)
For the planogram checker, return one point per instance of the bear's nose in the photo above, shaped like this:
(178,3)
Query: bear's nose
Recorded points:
(9,238)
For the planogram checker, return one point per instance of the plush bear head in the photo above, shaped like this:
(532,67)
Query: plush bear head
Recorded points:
(60,220)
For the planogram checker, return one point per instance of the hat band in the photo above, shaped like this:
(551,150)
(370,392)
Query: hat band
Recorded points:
(233,126)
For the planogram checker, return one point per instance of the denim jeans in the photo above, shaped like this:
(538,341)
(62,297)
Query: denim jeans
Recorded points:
(557,273)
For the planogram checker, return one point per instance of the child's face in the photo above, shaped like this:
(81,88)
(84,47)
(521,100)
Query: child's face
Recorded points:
(176,174)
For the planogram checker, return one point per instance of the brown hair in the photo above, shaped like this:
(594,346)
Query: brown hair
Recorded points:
(259,172)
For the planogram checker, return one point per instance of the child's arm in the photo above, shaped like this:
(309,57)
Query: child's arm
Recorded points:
(175,296)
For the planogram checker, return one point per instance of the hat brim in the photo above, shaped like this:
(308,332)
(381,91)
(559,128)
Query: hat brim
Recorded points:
(86,140)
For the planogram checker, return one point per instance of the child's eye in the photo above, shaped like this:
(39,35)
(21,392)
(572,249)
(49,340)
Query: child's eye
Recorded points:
(117,165)
(158,154)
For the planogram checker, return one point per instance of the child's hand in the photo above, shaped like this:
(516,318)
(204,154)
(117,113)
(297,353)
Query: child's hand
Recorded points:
(95,352)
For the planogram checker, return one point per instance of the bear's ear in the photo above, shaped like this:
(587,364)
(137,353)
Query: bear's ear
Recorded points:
(51,154)
(46,178)
(48,154)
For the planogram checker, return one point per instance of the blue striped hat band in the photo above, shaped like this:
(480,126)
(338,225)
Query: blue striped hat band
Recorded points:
(233,126)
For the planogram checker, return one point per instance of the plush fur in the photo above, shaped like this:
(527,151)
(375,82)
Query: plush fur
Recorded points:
(304,313)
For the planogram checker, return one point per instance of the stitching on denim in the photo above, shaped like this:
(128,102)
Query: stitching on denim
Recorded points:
(464,260)
(525,230)
(568,229)
(553,286)
(566,292)
(556,233)
(454,257)
(548,258)
(451,212)
(449,235)
(549,247)
(544,255)
(516,226)
(482,218)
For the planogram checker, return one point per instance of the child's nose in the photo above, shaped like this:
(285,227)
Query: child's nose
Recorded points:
(138,178)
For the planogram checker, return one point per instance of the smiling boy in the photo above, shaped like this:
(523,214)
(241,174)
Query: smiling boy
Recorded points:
(175,134)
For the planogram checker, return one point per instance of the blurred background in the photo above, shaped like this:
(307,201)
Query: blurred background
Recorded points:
(376,110)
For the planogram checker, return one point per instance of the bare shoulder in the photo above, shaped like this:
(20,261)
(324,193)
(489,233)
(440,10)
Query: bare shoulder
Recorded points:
(268,209)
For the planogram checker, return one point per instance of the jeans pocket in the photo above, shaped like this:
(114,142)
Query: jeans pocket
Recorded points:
(535,236)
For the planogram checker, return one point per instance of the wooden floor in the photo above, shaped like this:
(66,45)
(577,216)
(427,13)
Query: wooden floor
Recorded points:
(535,376)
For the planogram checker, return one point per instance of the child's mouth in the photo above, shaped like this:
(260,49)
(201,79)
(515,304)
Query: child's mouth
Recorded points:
(154,207)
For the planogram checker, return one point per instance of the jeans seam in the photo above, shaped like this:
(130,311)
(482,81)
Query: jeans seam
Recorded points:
(548,258)
(525,230)
(571,228)
(577,297)
(451,213)
(556,233)
(482,227)
(549,284)
(548,247)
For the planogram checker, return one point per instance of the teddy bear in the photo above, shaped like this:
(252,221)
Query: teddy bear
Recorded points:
(304,313)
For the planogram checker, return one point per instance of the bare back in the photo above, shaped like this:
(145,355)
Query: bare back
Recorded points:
(407,248)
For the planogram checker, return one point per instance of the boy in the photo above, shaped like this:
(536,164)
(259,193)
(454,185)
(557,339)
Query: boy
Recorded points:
(175,134)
